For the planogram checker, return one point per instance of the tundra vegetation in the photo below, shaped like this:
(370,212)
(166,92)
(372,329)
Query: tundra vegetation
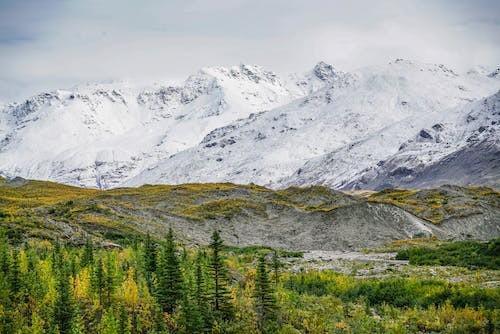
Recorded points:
(161,286)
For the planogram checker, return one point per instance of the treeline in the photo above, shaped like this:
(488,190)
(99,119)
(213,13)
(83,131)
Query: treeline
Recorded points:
(148,288)
(470,254)
(161,287)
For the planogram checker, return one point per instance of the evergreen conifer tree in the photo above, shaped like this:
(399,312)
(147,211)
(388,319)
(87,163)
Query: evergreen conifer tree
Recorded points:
(63,307)
(98,281)
(200,291)
(265,304)
(220,298)
(109,324)
(159,321)
(77,324)
(149,260)
(169,275)
(109,279)
(14,274)
(123,324)
(4,255)
(88,253)
(190,318)
(276,265)
(57,256)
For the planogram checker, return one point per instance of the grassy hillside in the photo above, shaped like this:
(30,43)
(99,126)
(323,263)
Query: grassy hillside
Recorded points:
(39,209)
(436,205)
(47,209)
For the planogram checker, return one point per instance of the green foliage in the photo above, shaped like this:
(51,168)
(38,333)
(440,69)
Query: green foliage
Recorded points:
(220,293)
(169,289)
(88,253)
(109,324)
(265,304)
(98,281)
(276,266)
(59,295)
(200,292)
(226,208)
(472,254)
(63,307)
(14,273)
(436,205)
(396,292)
(150,255)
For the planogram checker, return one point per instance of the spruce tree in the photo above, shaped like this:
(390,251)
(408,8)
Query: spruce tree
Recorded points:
(77,323)
(98,281)
(88,253)
(57,256)
(190,318)
(109,324)
(200,292)
(265,304)
(149,260)
(123,324)
(63,307)
(109,279)
(169,276)
(276,264)
(14,274)
(4,254)
(220,299)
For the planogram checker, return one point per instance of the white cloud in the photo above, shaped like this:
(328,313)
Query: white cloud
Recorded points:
(57,43)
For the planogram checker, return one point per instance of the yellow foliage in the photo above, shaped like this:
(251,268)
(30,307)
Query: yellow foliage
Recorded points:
(23,261)
(341,326)
(82,284)
(130,290)
(44,270)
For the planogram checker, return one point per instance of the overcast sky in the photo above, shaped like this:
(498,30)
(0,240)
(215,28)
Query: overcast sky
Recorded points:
(47,44)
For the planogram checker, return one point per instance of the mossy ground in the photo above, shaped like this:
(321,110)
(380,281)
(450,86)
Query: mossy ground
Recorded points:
(436,205)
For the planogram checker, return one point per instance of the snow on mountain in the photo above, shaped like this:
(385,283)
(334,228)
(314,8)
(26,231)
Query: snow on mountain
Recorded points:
(245,124)
(462,148)
(322,75)
(99,135)
(331,136)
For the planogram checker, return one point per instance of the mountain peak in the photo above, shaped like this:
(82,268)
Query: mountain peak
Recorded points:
(247,72)
(495,73)
(324,71)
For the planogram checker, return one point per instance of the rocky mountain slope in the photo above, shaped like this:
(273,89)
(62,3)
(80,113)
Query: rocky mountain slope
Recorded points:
(339,134)
(311,218)
(403,123)
(461,146)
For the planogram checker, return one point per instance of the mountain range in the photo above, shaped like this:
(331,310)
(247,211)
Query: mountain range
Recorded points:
(402,124)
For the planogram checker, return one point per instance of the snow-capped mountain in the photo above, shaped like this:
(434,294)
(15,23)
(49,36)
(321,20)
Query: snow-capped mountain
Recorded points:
(331,136)
(102,134)
(245,124)
(459,146)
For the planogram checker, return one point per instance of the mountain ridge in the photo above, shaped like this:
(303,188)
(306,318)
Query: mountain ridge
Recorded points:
(313,217)
(241,124)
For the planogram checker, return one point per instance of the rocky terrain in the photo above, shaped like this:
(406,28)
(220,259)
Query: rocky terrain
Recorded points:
(311,218)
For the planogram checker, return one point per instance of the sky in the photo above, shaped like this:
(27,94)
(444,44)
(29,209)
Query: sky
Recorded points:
(49,44)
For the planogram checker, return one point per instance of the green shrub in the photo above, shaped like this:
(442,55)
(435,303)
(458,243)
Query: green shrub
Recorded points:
(471,254)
